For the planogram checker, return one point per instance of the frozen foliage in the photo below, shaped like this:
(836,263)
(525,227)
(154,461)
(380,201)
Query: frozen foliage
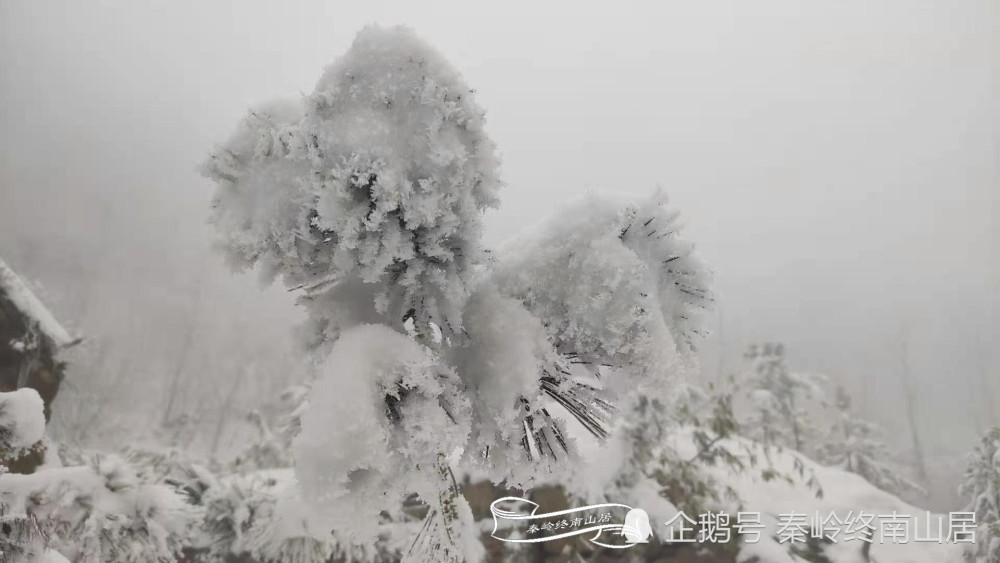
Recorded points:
(856,445)
(250,516)
(619,295)
(271,449)
(779,398)
(982,486)
(260,517)
(371,189)
(678,452)
(791,491)
(783,483)
(651,458)
(449,533)
(513,357)
(613,282)
(367,198)
(22,421)
(244,517)
(98,512)
(508,365)
(396,409)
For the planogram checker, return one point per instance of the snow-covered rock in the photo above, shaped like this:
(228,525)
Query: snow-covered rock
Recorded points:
(18,293)
(22,420)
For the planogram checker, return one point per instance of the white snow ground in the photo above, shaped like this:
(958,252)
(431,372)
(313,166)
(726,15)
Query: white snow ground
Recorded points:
(843,492)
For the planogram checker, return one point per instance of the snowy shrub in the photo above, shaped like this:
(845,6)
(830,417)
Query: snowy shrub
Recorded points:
(253,516)
(98,512)
(260,517)
(856,445)
(243,518)
(673,439)
(780,399)
(678,475)
(982,486)
(681,451)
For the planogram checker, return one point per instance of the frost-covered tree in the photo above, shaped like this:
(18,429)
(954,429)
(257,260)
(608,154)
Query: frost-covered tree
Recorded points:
(856,445)
(982,486)
(366,197)
(779,398)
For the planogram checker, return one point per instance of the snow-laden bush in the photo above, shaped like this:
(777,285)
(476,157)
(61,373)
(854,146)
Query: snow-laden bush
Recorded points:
(982,486)
(367,198)
(253,517)
(780,399)
(857,445)
(97,512)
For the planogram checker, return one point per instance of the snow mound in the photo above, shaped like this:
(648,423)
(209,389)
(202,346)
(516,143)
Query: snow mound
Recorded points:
(22,420)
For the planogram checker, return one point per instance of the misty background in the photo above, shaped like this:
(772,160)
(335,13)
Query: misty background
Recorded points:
(836,164)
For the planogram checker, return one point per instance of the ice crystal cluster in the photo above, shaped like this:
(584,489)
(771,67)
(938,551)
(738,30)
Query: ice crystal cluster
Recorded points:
(368,192)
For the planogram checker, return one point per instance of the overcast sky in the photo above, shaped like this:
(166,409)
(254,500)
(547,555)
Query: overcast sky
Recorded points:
(837,162)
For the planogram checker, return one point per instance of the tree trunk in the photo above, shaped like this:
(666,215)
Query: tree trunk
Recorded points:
(909,392)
